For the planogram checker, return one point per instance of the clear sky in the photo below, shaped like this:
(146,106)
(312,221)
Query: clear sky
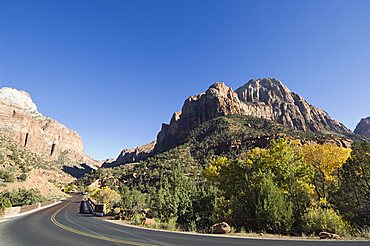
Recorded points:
(115,70)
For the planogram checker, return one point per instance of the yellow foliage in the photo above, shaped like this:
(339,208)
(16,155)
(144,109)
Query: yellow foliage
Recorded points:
(212,170)
(326,158)
(105,195)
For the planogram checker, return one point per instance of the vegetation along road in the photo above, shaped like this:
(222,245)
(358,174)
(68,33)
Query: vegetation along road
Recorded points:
(63,225)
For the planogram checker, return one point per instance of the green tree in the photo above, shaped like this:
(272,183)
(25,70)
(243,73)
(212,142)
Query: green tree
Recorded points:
(273,212)
(353,195)
(132,201)
(263,182)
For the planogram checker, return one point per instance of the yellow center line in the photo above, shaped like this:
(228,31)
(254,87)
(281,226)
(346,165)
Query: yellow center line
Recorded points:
(82,233)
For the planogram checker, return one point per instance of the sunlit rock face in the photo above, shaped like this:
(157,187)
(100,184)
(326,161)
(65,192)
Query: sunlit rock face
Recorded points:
(17,98)
(264,98)
(268,98)
(363,127)
(20,120)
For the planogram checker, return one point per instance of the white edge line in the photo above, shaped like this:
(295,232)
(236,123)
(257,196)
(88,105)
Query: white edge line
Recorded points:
(5,218)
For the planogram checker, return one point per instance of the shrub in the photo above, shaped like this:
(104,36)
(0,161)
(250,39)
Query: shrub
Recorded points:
(7,176)
(318,219)
(273,213)
(22,177)
(170,224)
(363,232)
(5,202)
(26,197)
(137,219)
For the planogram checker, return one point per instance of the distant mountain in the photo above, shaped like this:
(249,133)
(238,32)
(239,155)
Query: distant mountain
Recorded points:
(21,122)
(261,98)
(276,102)
(265,99)
(363,127)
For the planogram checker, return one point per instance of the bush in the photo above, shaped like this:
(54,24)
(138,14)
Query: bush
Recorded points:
(363,232)
(5,202)
(317,220)
(137,219)
(170,225)
(26,197)
(273,213)
(22,177)
(7,176)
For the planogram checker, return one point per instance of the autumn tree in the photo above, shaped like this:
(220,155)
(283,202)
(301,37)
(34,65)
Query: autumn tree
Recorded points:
(106,196)
(264,182)
(326,159)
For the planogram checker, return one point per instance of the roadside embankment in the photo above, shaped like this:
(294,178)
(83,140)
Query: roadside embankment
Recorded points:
(20,210)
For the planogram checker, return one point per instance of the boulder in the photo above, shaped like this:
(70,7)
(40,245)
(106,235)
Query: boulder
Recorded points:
(149,222)
(328,235)
(221,228)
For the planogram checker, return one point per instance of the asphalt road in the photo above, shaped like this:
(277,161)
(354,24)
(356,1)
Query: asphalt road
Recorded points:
(62,225)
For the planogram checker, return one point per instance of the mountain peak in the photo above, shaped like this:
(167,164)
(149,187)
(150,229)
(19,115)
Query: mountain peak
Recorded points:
(266,98)
(264,90)
(18,98)
(363,127)
(271,96)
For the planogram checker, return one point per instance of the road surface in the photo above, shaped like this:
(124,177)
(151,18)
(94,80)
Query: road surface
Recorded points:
(62,225)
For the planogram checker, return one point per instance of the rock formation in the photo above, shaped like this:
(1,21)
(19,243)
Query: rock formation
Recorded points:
(262,98)
(131,155)
(218,100)
(363,127)
(20,121)
(270,99)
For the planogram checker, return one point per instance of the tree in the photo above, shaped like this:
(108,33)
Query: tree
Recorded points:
(132,201)
(326,159)
(353,195)
(106,196)
(268,182)
(273,212)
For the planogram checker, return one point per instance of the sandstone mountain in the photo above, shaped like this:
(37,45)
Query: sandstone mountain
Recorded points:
(261,98)
(20,121)
(270,99)
(363,127)
(131,155)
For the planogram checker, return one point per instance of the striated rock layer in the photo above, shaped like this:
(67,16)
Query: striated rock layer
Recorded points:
(363,127)
(20,121)
(270,99)
(263,98)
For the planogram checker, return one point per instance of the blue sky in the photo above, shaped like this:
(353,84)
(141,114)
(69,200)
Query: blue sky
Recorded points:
(115,70)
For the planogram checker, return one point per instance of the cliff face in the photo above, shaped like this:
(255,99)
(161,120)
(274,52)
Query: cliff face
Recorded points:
(131,155)
(20,121)
(363,127)
(261,98)
(270,99)
(218,100)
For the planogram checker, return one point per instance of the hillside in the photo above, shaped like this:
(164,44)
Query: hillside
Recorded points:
(226,135)
(35,150)
(225,168)
(20,168)
(21,122)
